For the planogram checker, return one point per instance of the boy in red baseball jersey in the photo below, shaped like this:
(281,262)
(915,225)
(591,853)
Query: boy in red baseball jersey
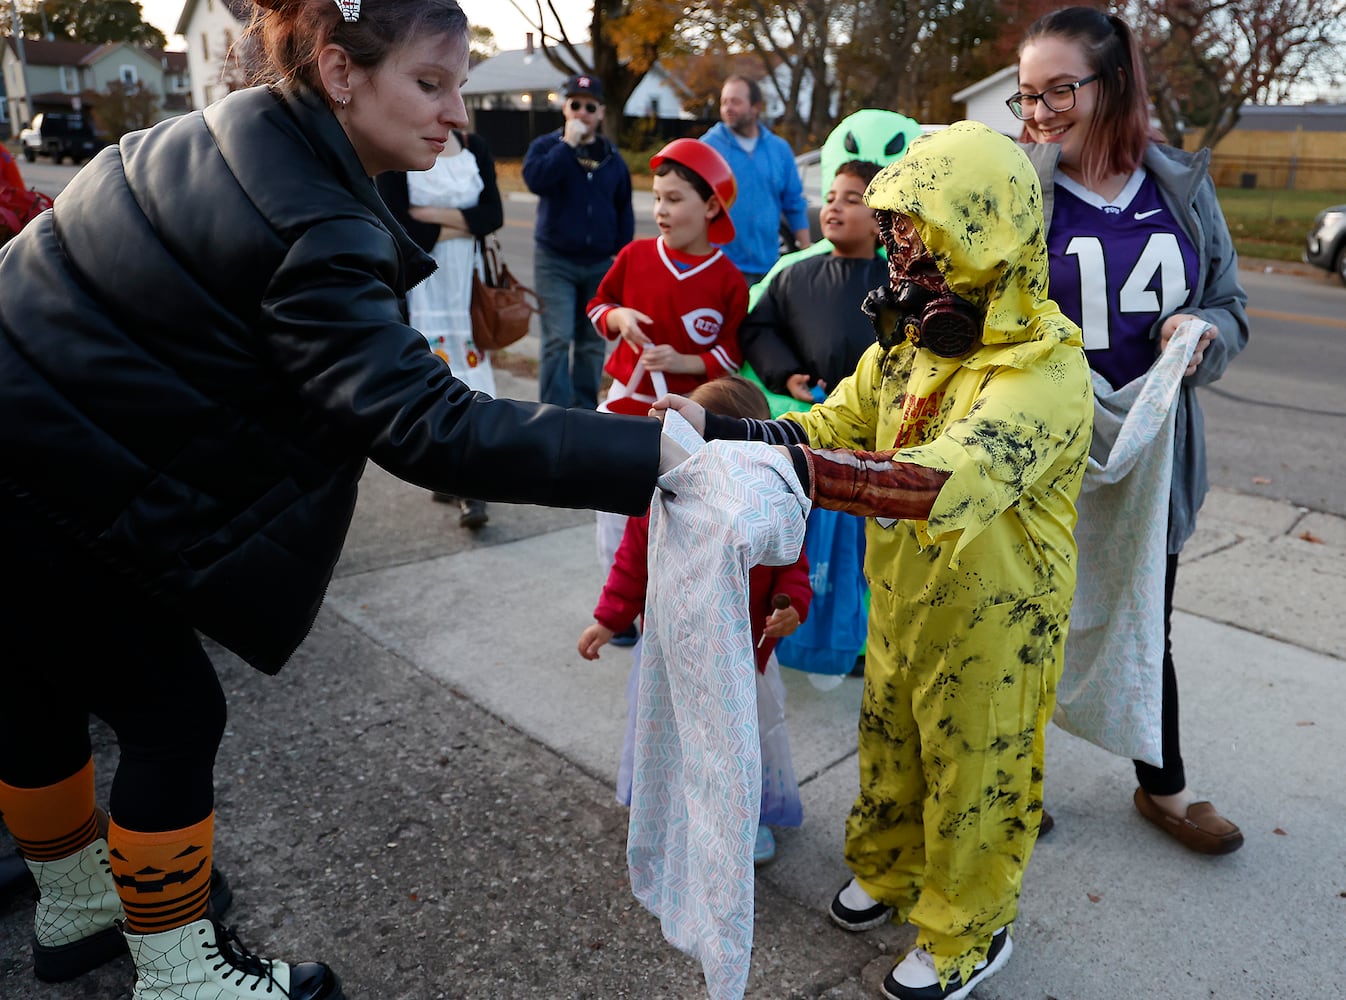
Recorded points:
(674,302)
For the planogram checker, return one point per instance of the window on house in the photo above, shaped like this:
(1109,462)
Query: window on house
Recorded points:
(228,40)
(205,47)
(69,80)
(128,75)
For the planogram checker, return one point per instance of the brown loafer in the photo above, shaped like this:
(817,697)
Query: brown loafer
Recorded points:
(1203,830)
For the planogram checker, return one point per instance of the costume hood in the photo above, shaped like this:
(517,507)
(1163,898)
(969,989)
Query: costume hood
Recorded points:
(977,205)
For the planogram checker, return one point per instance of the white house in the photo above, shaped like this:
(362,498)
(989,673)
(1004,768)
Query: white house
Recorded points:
(211,28)
(985,101)
(519,79)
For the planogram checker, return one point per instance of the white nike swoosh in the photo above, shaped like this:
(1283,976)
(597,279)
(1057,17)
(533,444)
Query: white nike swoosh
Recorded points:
(1146,215)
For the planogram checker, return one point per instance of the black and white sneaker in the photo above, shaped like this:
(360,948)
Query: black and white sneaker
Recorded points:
(853,909)
(914,978)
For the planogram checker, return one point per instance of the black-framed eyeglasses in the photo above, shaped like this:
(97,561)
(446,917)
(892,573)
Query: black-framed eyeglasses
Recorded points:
(588,106)
(1058,98)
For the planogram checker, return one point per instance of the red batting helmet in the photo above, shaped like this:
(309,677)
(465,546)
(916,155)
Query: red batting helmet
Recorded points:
(711,167)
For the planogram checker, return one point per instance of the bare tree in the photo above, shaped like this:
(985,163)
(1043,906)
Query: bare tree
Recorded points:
(909,56)
(625,38)
(1207,58)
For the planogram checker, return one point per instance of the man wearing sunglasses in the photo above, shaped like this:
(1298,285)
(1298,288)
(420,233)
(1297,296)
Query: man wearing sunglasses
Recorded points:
(584,217)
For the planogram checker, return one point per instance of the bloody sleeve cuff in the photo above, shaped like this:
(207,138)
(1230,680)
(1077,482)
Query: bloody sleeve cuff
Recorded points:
(870,483)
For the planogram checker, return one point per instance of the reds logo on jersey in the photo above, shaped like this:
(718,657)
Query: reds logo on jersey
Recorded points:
(703,325)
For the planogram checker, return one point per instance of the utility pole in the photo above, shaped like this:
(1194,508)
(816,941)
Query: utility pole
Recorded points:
(23,67)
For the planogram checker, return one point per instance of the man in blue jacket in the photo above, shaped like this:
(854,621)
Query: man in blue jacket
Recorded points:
(768,181)
(584,217)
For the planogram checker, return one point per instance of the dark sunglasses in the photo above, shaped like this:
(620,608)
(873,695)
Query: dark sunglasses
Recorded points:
(588,106)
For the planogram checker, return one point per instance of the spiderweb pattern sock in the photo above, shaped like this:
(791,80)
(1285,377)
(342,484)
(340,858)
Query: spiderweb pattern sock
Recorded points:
(52,822)
(163,878)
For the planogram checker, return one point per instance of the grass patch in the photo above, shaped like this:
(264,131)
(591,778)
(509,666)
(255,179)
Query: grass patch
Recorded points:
(1273,224)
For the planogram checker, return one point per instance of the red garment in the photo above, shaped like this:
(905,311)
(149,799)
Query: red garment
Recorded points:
(9,171)
(623,597)
(696,309)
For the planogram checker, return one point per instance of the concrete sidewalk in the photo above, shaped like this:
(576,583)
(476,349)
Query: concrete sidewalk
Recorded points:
(1111,908)
(423,798)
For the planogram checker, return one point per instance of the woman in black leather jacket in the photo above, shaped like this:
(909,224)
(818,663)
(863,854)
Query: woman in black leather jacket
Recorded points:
(200,346)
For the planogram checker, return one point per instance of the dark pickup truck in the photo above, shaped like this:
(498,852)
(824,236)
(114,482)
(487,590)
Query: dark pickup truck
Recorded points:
(59,135)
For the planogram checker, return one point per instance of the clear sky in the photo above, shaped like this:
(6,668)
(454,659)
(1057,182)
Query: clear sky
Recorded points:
(499,15)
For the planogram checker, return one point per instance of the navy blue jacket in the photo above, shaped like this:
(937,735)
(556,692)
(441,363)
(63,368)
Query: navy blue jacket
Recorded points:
(584,211)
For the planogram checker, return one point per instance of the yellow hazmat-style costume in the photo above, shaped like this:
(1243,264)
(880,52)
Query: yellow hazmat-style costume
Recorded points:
(970,607)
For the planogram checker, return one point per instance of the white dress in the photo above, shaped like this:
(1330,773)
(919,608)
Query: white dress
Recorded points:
(440,305)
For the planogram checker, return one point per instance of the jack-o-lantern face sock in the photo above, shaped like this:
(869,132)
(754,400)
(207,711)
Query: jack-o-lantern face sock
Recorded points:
(163,878)
(52,822)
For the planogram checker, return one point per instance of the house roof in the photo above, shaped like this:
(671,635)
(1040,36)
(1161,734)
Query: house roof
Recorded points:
(40,52)
(997,80)
(517,71)
(241,9)
(1289,117)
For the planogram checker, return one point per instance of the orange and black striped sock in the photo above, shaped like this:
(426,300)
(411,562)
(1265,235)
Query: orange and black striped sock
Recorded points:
(52,822)
(163,878)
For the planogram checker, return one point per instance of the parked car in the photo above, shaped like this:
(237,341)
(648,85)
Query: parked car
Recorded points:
(59,134)
(30,141)
(1326,243)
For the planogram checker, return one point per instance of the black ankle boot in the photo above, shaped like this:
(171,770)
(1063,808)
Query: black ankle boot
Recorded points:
(472,513)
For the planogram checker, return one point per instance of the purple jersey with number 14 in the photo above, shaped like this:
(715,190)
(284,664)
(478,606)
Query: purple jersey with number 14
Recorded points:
(1117,268)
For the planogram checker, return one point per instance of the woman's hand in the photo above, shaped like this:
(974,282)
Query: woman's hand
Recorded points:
(592,639)
(452,223)
(1170,327)
(693,413)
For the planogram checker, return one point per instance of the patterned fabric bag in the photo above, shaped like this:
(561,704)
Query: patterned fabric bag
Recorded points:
(1111,689)
(697,773)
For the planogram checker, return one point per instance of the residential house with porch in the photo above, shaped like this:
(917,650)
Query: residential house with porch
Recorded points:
(70,76)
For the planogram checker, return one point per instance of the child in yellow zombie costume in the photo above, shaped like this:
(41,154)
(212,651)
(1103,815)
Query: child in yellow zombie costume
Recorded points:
(963,434)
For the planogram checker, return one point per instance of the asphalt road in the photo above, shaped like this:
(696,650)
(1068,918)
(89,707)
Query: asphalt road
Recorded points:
(1276,421)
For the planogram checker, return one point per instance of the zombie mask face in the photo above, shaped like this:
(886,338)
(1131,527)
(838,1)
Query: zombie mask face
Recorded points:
(917,304)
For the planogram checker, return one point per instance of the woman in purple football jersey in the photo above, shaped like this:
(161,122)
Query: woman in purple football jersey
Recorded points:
(1138,245)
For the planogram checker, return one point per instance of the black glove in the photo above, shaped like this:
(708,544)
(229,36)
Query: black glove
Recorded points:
(880,305)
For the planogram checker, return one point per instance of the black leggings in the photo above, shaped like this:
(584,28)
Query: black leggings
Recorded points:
(81,642)
(1172,777)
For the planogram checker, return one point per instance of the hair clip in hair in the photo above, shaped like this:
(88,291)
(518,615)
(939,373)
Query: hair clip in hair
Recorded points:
(350,10)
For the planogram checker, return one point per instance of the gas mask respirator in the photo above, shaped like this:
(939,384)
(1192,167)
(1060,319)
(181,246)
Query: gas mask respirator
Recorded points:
(916,304)
(944,323)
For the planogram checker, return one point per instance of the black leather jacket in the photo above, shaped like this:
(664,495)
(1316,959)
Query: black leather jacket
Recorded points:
(204,340)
